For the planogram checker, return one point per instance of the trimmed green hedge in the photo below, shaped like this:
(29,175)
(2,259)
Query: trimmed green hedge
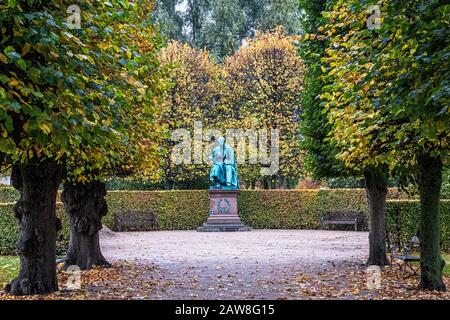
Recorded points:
(277,209)
(9,229)
(176,210)
(288,209)
(8,194)
(296,209)
(404,215)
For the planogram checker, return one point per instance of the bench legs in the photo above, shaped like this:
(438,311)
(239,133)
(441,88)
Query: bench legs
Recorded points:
(406,266)
(410,266)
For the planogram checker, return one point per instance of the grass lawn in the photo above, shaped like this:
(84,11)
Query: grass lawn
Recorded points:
(446,257)
(447,264)
(9,268)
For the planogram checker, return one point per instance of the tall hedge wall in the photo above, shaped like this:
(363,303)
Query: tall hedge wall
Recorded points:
(8,194)
(176,210)
(296,209)
(9,229)
(278,209)
(404,215)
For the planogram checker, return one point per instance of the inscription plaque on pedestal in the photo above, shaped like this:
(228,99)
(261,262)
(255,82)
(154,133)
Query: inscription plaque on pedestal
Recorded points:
(223,214)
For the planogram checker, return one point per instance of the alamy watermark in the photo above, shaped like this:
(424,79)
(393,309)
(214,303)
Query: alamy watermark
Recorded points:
(374,19)
(74,278)
(74,18)
(252,146)
(373,274)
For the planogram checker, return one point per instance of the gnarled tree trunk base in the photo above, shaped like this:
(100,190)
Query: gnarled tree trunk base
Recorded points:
(38,183)
(86,205)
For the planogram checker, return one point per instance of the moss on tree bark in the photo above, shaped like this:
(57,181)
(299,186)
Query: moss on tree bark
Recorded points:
(431,262)
(376,189)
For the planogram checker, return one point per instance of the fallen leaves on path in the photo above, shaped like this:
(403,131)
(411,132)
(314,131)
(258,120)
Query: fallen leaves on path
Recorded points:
(121,281)
(350,281)
(129,280)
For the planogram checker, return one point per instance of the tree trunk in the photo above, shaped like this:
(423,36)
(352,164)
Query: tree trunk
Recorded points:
(431,262)
(86,205)
(265,183)
(376,189)
(38,183)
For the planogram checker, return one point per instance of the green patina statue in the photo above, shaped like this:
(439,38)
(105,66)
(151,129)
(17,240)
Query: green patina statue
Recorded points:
(223,174)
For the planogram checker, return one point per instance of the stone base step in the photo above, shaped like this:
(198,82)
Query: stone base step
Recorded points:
(223,227)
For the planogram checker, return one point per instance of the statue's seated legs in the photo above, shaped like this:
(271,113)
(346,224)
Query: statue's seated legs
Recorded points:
(216,175)
(230,173)
(216,182)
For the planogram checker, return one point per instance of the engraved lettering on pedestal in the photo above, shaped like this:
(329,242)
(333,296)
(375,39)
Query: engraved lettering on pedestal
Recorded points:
(223,206)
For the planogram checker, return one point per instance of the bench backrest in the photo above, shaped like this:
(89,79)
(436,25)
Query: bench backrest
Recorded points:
(136,220)
(343,215)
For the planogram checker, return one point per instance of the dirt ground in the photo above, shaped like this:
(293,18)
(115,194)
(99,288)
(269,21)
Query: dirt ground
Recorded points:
(260,264)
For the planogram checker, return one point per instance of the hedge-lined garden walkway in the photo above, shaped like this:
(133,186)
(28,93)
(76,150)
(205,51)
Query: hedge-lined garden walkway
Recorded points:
(262,264)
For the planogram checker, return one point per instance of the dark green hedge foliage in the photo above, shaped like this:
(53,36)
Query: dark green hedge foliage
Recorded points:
(277,209)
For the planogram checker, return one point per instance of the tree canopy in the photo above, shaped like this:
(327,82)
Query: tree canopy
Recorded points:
(388,88)
(74,94)
(75,101)
(264,86)
(388,101)
(220,25)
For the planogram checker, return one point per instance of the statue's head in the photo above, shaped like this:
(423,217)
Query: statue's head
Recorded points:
(221,141)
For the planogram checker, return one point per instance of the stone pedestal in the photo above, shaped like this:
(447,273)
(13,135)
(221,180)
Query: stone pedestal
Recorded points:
(223,214)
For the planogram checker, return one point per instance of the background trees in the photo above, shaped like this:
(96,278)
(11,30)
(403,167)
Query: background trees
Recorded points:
(224,28)
(264,84)
(259,87)
(220,25)
(193,96)
(168,19)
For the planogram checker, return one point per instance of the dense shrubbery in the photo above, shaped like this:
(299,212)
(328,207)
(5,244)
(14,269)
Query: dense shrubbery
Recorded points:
(446,184)
(283,209)
(403,217)
(9,229)
(176,210)
(296,209)
(8,194)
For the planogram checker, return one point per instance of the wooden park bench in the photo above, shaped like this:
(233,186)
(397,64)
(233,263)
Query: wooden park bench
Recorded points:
(403,256)
(346,217)
(136,221)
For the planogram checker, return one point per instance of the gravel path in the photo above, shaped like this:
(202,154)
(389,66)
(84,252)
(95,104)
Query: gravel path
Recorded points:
(260,264)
